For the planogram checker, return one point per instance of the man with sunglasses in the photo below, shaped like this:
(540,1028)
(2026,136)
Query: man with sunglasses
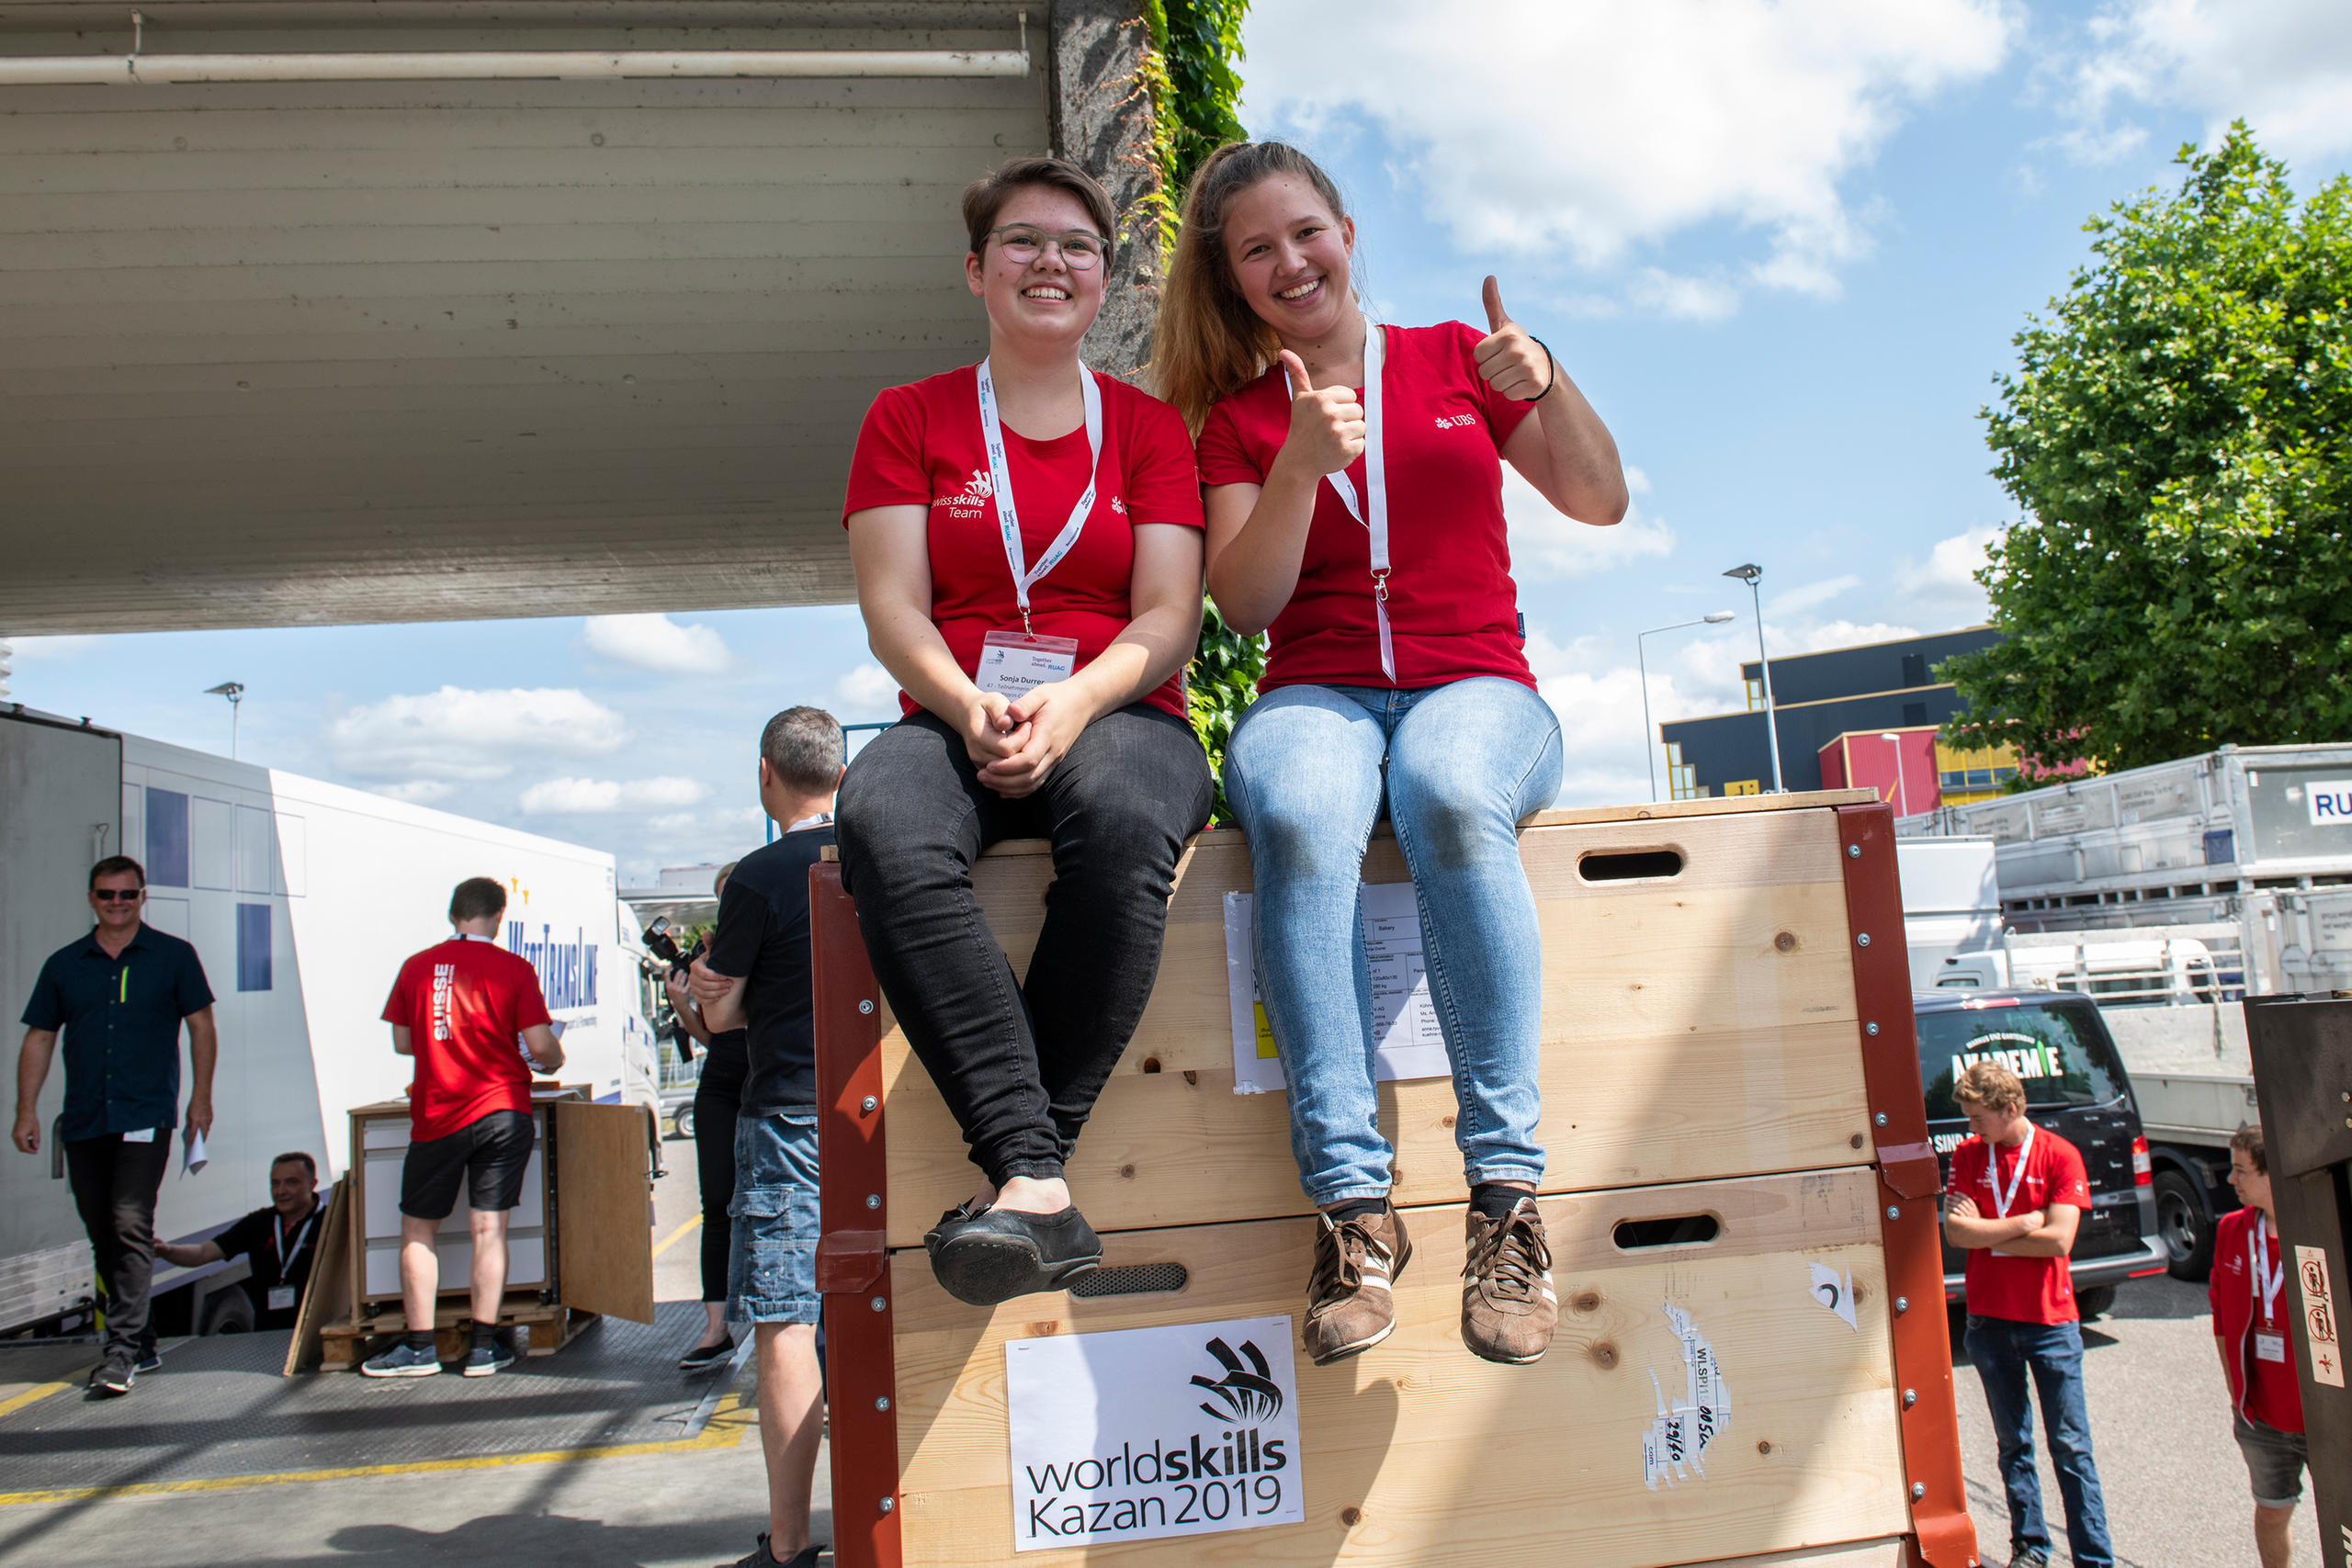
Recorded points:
(121,996)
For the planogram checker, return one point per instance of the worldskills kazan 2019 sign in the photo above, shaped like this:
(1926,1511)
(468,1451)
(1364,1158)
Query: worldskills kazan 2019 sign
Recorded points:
(1141,1433)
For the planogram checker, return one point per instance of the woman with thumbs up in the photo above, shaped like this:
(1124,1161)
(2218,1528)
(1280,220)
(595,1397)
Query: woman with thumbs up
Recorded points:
(1353,480)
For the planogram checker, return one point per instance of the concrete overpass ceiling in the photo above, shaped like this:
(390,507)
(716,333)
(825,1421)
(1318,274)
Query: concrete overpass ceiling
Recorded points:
(286,353)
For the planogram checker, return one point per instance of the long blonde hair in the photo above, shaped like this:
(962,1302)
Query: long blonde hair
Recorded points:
(1209,343)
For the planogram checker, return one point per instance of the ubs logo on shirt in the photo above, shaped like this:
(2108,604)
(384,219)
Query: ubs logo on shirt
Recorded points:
(1456,420)
(969,503)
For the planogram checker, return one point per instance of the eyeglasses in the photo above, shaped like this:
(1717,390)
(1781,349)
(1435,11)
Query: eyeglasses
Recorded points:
(1081,251)
(118,895)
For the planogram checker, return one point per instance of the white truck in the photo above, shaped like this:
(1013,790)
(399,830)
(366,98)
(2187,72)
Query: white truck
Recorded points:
(301,898)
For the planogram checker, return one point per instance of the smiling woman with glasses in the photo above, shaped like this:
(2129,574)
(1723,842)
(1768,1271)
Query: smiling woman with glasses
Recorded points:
(1027,538)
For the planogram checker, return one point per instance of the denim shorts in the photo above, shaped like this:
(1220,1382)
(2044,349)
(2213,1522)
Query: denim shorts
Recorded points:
(772,1249)
(2274,1463)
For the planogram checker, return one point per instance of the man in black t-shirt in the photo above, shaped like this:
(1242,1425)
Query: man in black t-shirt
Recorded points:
(755,977)
(281,1242)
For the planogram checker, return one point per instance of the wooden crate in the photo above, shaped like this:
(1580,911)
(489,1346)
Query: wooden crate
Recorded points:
(348,1341)
(1732,1040)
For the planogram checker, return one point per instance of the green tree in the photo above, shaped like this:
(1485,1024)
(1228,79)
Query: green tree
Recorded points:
(2178,434)
(1195,84)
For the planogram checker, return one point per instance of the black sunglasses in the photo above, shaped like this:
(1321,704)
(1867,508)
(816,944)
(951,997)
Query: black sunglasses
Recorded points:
(118,895)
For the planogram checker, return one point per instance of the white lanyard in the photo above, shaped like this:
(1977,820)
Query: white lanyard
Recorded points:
(1008,517)
(278,1235)
(2267,1278)
(2016,1175)
(1375,476)
(816,821)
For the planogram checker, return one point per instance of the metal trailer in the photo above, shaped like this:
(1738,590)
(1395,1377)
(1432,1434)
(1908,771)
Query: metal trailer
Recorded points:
(301,898)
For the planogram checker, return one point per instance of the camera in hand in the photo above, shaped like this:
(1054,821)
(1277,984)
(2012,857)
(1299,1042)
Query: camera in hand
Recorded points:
(662,945)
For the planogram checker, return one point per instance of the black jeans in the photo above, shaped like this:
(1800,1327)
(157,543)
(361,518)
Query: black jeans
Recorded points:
(114,1185)
(1019,1065)
(718,1097)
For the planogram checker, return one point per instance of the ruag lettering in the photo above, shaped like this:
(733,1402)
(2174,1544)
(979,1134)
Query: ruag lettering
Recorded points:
(1225,1462)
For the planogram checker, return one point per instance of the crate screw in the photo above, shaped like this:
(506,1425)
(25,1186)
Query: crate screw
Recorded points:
(1892,1212)
(1910,1397)
(865,1007)
(882,1403)
(889,1503)
(1868,1028)
(1863,940)
(1880,1119)
(867,1105)
(874,1200)
(1902,1304)
(1919,1490)
(880,1303)
(1854,851)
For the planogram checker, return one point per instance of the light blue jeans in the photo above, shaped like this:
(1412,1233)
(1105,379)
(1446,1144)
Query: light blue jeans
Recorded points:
(1307,772)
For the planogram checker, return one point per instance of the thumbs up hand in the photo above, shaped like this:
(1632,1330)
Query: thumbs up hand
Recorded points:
(1325,425)
(1513,363)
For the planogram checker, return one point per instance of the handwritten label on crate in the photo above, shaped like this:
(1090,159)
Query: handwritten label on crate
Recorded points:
(1675,1444)
(1140,1433)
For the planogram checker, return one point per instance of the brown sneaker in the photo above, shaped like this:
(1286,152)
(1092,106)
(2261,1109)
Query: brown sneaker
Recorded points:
(1508,1309)
(1350,1304)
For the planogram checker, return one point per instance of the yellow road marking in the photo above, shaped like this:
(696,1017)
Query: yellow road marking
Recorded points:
(676,1237)
(10,1406)
(728,1424)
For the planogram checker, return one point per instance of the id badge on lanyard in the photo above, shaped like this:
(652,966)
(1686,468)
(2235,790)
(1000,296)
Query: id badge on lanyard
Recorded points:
(1374,512)
(1016,662)
(2269,1280)
(2001,1200)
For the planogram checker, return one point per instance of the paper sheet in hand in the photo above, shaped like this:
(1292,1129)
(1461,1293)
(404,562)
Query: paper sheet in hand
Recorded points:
(1404,1022)
(192,1157)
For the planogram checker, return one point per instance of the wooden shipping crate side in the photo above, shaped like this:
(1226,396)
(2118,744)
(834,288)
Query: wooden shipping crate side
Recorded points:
(1417,1452)
(1695,1025)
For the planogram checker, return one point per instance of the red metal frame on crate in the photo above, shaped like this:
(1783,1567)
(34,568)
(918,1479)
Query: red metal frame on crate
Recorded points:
(1909,1187)
(853,1258)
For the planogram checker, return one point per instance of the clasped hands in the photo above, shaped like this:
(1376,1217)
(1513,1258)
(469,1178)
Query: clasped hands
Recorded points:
(1016,744)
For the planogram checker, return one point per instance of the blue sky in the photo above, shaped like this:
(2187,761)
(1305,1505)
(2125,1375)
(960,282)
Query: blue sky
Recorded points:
(1783,245)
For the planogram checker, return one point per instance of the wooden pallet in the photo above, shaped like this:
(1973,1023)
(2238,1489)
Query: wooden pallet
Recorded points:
(552,1326)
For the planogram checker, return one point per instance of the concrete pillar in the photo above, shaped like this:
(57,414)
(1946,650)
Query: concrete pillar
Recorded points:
(1101,119)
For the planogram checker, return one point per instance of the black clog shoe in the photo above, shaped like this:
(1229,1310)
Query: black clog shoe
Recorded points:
(985,1255)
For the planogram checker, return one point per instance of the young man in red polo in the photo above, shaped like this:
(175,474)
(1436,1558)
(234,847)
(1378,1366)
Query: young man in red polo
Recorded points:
(2017,1193)
(472,1014)
(2247,1288)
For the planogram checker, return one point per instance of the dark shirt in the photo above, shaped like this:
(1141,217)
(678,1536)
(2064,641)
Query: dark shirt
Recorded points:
(259,1237)
(121,1019)
(763,934)
(726,1063)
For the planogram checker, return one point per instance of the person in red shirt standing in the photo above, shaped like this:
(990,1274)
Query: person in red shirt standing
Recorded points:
(2247,1289)
(1027,535)
(472,1014)
(2017,1193)
(1355,514)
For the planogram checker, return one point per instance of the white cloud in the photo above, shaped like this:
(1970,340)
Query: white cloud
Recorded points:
(1649,119)
(867,690)
(1545,544)
(458,734)
(656,642)
(28,649)
(2285,66)
(418,791)
(1684,299)
(1946,582)
(1807,596)
(585,796)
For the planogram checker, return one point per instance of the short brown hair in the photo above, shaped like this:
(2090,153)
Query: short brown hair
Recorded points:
(986,197)
(296,1156)
(114,865)
(1990,1085)
(475,899)
(2247,1139)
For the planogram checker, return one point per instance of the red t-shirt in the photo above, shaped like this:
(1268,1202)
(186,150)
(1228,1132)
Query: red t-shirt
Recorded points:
(921,445)
(2023,1290)
(464,1004)
(1453,608)
(2267,1390)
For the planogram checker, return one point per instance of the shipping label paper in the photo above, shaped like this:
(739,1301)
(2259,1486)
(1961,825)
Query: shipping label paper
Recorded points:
(1404,1020)
(1142,1433)
(1675,1444)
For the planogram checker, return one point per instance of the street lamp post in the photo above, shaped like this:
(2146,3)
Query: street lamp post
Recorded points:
(1902,801)
(1748,574)
(235,692)
(1641,661)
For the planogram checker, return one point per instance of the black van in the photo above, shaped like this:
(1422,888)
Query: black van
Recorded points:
(2075,1085)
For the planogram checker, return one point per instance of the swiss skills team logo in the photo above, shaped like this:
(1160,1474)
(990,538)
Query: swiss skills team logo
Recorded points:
(1148,1432)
